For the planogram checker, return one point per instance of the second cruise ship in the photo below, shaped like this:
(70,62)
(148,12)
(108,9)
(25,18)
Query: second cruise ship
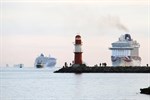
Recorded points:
(125,52)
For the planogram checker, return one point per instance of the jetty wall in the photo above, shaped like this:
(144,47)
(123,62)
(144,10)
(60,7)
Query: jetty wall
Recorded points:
(107,69)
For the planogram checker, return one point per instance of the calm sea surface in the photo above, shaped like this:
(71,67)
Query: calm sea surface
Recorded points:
(43,84)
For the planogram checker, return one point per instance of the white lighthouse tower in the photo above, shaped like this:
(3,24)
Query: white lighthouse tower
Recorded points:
(78,50)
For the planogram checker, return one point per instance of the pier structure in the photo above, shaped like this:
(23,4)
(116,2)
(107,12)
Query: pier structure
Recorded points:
(121,49)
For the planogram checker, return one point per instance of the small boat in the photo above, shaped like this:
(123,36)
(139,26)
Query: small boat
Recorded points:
(145,90)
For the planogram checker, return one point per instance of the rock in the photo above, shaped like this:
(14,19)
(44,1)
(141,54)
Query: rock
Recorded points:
(145,90)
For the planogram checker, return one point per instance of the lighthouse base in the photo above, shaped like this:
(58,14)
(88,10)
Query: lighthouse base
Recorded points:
(78,65)
(78,58)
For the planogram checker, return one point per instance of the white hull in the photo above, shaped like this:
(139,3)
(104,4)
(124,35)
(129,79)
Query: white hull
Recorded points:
(121,62)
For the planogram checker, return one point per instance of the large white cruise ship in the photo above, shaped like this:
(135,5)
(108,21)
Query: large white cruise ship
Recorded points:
(125,52)
(43,61)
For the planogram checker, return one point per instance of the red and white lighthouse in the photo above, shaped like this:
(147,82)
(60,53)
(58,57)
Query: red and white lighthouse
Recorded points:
(78,50)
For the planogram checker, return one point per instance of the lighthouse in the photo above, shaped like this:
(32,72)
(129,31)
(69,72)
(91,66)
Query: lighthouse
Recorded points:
(78,50)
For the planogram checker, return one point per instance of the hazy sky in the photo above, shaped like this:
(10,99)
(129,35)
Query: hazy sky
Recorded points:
(31,27)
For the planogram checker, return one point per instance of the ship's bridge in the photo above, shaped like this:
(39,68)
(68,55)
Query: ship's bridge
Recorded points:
(125,46)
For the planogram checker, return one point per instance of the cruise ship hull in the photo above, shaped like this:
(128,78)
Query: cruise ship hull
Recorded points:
(50,64)
(126,61)
(45,61)
(39,66)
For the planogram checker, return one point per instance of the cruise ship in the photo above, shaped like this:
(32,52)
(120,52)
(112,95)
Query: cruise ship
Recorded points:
(43,61)
(125,52)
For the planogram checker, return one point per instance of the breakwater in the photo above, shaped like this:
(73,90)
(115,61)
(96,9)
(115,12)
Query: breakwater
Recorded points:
(107,69)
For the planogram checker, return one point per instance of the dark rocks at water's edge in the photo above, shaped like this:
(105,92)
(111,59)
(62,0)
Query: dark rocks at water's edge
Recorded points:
(107,69)
(145,90)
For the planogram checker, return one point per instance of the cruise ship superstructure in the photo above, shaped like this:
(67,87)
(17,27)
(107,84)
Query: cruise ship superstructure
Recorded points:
(43,61)
(125,52)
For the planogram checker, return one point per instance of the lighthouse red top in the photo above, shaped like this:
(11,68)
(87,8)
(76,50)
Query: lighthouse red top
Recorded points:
(78,39)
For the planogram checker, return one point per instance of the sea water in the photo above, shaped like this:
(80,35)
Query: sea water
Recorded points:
(43,84)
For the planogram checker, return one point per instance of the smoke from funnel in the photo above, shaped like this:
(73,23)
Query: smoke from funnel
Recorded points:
(113,21)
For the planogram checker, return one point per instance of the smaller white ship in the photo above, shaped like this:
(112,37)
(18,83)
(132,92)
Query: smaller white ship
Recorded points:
(43,61)
(18,65)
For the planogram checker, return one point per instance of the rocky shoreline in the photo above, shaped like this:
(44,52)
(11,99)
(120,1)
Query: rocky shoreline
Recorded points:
(107,69)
